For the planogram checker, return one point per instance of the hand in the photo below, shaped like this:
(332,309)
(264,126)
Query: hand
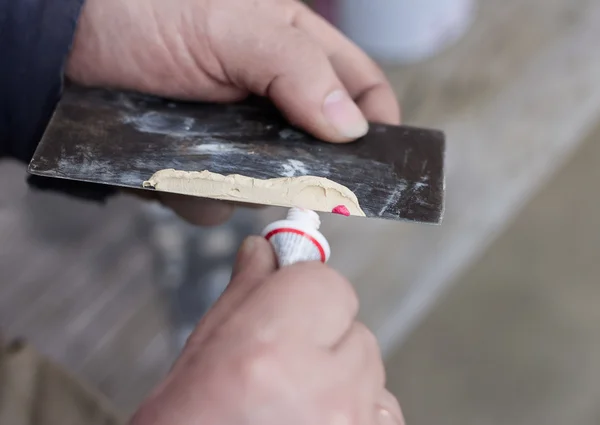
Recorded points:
(222,50)
(279,347)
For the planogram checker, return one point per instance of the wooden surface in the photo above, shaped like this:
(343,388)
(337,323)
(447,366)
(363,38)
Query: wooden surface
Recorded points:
(35,391)
(515,98)
(76,281)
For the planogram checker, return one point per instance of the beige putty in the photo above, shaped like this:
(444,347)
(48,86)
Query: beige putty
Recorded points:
(315,193)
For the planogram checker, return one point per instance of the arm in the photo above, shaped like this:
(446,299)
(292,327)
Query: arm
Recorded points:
(35,39)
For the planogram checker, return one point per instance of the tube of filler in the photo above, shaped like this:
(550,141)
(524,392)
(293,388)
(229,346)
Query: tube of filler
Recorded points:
(297,238)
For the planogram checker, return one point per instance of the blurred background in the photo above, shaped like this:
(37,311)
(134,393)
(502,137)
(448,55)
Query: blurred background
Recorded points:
(491,318)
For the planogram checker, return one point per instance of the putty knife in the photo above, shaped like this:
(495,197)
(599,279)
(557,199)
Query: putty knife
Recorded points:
(122,139)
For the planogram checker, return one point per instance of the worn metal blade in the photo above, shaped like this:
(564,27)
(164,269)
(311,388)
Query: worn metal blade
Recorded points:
(122,139)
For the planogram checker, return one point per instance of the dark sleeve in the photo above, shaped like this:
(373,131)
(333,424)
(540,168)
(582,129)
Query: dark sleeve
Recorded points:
(35,38)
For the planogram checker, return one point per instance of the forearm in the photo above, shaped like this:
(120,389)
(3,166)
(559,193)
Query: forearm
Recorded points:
(35,38)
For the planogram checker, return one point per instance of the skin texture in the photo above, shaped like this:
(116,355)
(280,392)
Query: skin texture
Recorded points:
(280,346)
(223,50)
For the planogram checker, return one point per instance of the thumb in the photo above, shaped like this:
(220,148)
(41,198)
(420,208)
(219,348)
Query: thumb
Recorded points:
(305,87)
(255,261)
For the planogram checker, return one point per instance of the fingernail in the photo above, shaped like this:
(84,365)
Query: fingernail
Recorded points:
(244,253)
(386,418)
(343,114)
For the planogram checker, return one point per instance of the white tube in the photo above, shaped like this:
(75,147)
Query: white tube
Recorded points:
(297,238)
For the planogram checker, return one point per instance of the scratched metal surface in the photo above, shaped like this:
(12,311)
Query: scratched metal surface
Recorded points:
(122,139)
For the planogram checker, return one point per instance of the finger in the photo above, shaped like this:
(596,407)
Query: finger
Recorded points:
(359,352)
(365,81)
(308,302)
(202,212)
(387,410)
(254,263)
(198,211)
(295,73)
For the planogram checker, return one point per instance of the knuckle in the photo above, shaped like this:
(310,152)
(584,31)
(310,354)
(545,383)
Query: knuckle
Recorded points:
(307,56)
(346,415)
(372,352)
(324,284)
(260,369)
(343,291)
(390,403)
(374,357)
(305,52)
(368,338)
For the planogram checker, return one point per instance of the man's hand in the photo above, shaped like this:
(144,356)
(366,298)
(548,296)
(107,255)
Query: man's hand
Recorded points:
(279,347)
(223,50)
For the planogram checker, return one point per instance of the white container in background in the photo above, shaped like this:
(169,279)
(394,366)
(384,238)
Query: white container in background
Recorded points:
(402,30)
